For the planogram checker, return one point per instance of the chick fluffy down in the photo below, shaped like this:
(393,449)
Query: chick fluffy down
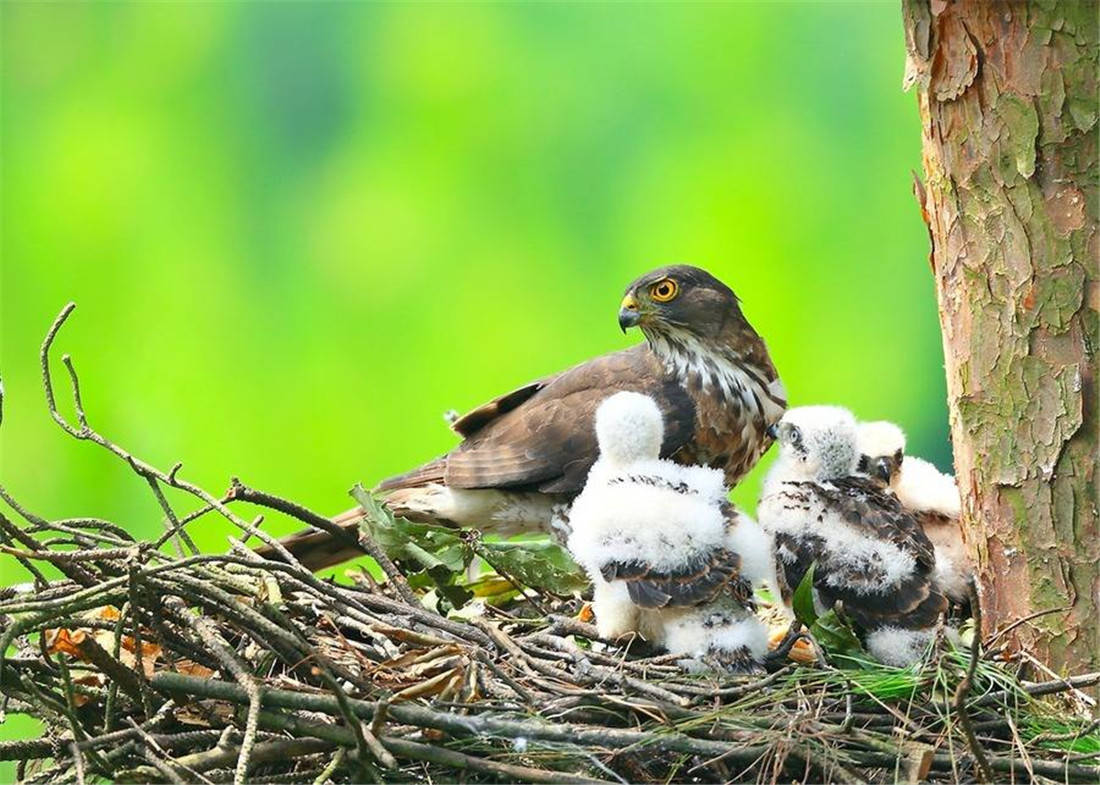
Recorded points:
(666,515)
(897,646)
(648,513)
(718,629)
(787,511)
(879,438)
(924,488)
(637,508)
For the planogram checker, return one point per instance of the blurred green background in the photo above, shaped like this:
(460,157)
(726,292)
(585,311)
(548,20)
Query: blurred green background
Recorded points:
(298,234)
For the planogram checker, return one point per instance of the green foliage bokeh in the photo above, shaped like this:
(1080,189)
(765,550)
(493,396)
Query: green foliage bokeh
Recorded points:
(297,234)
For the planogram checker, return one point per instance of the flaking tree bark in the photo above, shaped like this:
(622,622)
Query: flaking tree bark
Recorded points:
(1008,108)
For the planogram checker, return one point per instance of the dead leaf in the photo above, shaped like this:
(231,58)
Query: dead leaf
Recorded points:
(63,640)
(192,668)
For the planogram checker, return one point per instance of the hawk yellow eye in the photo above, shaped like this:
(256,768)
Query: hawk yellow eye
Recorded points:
(664,290)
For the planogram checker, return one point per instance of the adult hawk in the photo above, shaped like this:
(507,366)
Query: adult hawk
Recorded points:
(667,554)
(869,552)
(932,497)
(525,455)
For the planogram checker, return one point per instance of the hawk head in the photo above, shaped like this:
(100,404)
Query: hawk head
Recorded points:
(818,442)
(629,428)
(881,447)
(678,298)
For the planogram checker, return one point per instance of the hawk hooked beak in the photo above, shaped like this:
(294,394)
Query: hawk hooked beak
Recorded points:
(629,312)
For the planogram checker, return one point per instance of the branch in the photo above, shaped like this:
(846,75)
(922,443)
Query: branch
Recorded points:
(963,691)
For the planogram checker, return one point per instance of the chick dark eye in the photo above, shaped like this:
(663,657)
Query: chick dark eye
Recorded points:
(794,435)
(663,291)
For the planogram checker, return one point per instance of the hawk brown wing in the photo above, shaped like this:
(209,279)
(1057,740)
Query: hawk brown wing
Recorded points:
(698,582)
(471,422)
(541,436)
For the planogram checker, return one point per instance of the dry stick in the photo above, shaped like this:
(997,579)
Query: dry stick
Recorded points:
(1020,746)
(427,752)
(79,733)
(136,636)
(330,769)
(1071,736)
(171,479)
(28,749)
(172,524)
(1053,770)
(71,571)
(205,509)
(142,468)
(96,524)
(78,762)
(177,684)
(1087,699)
(217,644)
(988,644)
(266,752)
(70,557)
(377,749)
(1035,689)
(601,674)
(40,580)
(963,690)
(240,491)
(168,771)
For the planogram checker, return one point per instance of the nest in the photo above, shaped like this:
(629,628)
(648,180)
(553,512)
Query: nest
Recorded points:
(150,661)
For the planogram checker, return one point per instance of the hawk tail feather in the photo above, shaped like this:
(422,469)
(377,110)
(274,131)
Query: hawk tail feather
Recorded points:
(432,471)
(318,550)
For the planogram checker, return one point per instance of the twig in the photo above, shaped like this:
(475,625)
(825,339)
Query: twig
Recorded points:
(240,491)
(985,774)
(994,637)
(435,754)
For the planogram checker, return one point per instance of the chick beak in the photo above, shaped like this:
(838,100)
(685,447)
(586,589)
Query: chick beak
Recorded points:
(882,470)
(629,313)
(773,431)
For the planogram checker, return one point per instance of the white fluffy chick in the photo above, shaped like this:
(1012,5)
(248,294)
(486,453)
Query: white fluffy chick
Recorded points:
(870,553)
(932,496)
(668,555)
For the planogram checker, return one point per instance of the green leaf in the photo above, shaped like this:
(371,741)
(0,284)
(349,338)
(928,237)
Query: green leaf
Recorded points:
(424,544)
(538,565)
(834,634)
(441,553)
(803,600)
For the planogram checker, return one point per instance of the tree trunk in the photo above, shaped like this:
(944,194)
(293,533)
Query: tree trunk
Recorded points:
(1008,108)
